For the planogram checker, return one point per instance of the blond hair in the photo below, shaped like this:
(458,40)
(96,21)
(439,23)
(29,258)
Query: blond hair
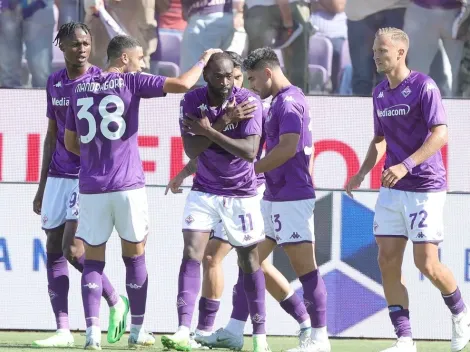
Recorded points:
(395,34)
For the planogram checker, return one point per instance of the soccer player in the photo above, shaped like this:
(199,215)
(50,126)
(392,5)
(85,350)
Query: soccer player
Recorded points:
(410,126)
(101,127)
(56,199)
(224,189)
(217,249)
(289,199)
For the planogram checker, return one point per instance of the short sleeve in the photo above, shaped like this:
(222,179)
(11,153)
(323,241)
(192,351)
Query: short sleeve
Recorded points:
(149,86)
(50,109)
(290,119)
(70,119)
(253,126)
(378,130)
(431,105)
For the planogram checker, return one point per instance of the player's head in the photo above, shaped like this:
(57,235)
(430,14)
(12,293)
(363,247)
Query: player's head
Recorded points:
(390,49)
(218,74)
(237,69)
(74,39)
(261,66)
(126,53)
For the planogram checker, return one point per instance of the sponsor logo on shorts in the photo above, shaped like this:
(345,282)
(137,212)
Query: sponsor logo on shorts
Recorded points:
(247,238)
(278,238)
(421,235)
(189,219)
(376,226)
(295,236)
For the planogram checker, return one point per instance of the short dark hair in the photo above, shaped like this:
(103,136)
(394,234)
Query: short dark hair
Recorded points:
(120,43)
(261,58)
(218,57)
(68,29)
(237,59)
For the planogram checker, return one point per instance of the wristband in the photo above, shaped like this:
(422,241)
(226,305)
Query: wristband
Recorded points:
(409,164)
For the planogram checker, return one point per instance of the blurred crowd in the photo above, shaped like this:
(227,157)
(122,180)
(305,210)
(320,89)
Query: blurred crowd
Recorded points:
(325,46)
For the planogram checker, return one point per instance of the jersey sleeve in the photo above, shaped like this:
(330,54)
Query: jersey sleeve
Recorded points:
(253,126)
(290,119)
(148,86)
(70,123)
(50,109)
(431,105)
(378,129)
(186,107)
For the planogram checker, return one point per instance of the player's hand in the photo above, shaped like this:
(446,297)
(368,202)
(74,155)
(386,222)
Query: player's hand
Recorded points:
(353,183)
(237,113)
(93,6)
(175,184)
(393,174)
(191,124)
(206,55)
(37,202)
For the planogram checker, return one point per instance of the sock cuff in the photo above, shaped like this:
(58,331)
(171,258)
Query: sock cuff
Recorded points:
(311,275)
(190,267)
(55,257)
(207,303)
(137,260)
(254,273)
(289,295)
(96,265)
(456,292)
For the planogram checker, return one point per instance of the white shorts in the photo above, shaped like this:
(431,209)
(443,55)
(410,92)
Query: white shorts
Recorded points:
(240,217)
(289,222)
(60,202)
(219,232)
(417,216)
(125,210)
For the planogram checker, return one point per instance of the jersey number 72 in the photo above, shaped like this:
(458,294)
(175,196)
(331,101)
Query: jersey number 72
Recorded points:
(107,117)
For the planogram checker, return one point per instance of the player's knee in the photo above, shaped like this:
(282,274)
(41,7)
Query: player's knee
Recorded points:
(427,267)
(388,262)
(211,262)
(72,253)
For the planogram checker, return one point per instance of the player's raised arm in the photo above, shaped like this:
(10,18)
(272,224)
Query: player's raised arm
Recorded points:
(188,79)
(71,137)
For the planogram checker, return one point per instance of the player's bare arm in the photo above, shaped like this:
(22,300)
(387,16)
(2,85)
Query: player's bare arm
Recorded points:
(176,182)
(374,154)
(245,148)
(71,142)
(280,154)
(49,148)
(431,146)
(187,80)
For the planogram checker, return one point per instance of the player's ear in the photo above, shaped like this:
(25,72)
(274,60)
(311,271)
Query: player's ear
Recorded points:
(268,72)
(125,58)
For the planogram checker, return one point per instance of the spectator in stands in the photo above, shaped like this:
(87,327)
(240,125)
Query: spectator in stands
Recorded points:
(329,19)
(170,17)
(210,25)
(464,81)
(30,22)
(136,18)
(427,21)
(264,24)
(365,17)
(69,10)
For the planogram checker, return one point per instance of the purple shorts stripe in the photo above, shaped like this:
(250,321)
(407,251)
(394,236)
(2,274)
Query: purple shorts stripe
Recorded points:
(294,243)
(195,230)
(424,242)
(91,245)
(218,239)
(133,241)
(248,245)
(393,236)
(52,229)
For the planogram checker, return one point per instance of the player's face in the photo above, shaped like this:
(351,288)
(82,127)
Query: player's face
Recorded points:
(260,82)
(237,77)
(133,59)
(77,48)
(219,78)
(386,54)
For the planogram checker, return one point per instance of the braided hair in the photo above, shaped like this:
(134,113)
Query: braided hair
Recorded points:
(68,29)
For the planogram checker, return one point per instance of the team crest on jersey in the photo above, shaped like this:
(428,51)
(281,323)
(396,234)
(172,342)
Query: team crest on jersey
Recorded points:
(405,92)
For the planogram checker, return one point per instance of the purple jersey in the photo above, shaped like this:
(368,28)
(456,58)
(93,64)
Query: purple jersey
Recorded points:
(59,90)
(289,113)
(105,114)
(218,171)
(266,105)
(405,115)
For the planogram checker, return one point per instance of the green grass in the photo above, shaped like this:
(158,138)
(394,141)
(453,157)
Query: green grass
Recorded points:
(21,342)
